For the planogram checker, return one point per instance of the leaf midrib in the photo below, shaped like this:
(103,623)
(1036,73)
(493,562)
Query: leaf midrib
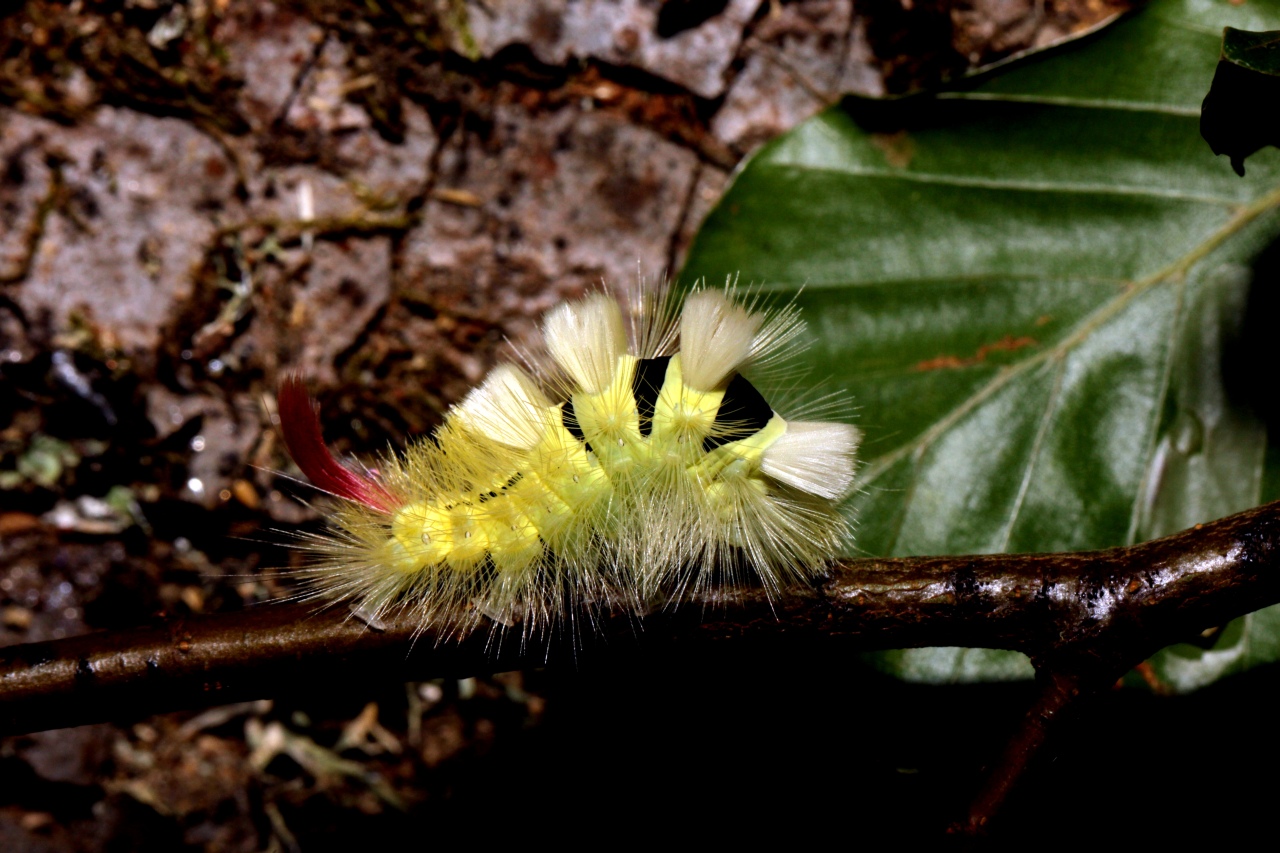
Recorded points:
(1077,102)
(962,280)
(946,180)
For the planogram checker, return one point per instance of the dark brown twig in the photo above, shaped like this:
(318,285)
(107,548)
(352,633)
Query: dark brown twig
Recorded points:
(1058,692)
(1083,618)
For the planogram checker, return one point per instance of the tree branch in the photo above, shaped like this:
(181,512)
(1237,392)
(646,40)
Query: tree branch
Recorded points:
(1083,618)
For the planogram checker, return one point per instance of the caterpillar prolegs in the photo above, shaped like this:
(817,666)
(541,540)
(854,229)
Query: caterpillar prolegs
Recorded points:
(639,466)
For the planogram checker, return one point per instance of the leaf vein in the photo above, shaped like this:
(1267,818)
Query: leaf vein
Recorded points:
(1082,103)
(937,179)
(1051,403)
(875,468)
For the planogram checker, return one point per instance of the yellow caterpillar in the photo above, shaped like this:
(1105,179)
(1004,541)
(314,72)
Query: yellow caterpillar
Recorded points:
(626,475)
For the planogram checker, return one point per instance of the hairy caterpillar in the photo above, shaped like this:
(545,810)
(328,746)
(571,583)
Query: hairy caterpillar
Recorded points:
(640,466)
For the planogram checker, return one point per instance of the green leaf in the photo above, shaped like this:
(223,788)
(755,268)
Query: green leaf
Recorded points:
(1253,51)
(1029,289)
(953,665)
(1241,113)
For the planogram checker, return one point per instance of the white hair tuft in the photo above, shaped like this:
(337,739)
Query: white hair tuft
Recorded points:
(586,337)
(716,337)
(507,407)
(815,457)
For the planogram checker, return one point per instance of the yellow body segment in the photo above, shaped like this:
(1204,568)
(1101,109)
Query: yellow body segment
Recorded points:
(683,416)
(512,516)
(610,421)
(731,468)
(564,483)
(740,459)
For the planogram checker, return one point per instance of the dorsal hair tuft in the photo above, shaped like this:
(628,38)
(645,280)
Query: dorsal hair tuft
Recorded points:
(507,407)
(716,337)
(815,457)
(586,337)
